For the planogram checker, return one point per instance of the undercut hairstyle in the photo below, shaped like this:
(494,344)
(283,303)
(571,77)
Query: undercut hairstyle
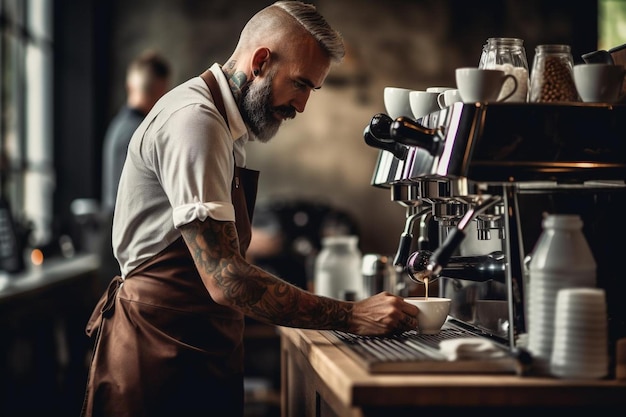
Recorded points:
(315,24)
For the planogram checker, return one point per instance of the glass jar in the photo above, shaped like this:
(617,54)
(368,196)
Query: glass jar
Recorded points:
(338,269)
(508,55)
(552,77)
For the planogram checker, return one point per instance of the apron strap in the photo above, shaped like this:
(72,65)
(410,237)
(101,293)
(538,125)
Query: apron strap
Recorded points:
(211,82)
(104,307)
(244,186)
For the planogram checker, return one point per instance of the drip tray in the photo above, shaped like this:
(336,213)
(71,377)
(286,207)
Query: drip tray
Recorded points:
(411,352)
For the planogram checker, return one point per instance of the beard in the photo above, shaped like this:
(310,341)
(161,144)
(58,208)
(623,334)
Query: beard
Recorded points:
(257,110)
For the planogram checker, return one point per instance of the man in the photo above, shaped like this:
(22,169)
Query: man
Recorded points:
(170,336)
(147,79)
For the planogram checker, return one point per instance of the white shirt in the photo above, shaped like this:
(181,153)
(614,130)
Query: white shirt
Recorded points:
(179,168)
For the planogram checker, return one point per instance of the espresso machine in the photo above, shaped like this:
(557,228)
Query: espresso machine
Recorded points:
(476,180)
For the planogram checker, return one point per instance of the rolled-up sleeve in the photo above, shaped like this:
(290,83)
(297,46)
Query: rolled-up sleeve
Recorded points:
(197,168)
(218,210)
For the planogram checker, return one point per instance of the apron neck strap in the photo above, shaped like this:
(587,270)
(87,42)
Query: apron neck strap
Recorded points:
(211,82)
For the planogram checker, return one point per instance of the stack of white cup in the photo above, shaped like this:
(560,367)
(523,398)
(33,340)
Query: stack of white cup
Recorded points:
(542,317)
(580,348)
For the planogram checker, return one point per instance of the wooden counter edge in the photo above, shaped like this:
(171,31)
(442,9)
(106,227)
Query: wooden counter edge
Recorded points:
(356,387)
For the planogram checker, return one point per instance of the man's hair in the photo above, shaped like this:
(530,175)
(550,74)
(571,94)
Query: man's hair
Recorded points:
(148,66)
(314,23)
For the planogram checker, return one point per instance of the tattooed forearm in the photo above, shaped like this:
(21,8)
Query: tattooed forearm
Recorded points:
(258,294)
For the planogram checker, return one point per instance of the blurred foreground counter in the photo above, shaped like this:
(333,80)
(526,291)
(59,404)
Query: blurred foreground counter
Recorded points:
(43,348)
(319,379)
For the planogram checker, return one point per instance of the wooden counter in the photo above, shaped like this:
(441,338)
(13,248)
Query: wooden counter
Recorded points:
(319,379)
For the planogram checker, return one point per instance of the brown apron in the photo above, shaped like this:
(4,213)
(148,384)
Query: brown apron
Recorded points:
(163,347)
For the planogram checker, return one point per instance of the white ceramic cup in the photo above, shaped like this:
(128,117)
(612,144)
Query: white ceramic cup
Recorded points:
(397,102)
(423,103)
(433,312)
(438,89)
(599,83)
(481,84)
(448,97)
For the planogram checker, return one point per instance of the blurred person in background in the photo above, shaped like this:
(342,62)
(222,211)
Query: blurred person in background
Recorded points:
(169,330)
(148,77)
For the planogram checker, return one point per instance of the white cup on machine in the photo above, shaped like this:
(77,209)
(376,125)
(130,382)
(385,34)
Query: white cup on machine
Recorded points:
(423,103)
(599,83)
(448,97)
(397,101)
(482,85)
(438,89)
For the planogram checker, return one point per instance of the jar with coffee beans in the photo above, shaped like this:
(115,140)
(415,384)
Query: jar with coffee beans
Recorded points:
(552,78)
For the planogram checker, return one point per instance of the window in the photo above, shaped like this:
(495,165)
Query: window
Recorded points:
(27,177)
(611,23)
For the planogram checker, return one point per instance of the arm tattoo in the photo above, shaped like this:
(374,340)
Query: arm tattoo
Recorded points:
(214,247)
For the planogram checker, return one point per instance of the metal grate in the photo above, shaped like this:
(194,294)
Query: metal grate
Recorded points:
(407,346)
(412,352)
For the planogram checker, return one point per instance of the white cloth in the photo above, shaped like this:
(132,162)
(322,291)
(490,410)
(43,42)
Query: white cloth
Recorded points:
(179,167)
(471,348)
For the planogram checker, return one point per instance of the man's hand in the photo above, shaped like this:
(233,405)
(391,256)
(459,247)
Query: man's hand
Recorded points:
(382,314)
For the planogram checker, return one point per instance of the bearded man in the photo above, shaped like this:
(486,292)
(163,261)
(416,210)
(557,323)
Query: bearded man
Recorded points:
(169,331)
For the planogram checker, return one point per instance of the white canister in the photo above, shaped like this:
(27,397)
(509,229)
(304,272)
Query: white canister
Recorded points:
(338,268)
(561,259)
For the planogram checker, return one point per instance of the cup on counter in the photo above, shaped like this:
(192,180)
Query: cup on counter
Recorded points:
(433,312)
(448,97)
(599,83)
(423,103)
(396,101)
(482,85)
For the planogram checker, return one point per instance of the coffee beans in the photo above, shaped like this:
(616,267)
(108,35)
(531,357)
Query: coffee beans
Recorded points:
(556,83)
(552,79)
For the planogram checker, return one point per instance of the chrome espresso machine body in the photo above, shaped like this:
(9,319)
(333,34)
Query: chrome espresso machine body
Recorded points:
(476,180)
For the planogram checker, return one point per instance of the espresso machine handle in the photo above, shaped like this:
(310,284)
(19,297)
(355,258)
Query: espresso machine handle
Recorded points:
(477,268)
(410,133)
(377,135)
(440,257)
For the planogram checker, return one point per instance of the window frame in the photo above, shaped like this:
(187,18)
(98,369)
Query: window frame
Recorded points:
(27,176)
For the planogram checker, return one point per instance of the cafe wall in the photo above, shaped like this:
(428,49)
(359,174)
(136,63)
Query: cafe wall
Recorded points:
(321,156)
